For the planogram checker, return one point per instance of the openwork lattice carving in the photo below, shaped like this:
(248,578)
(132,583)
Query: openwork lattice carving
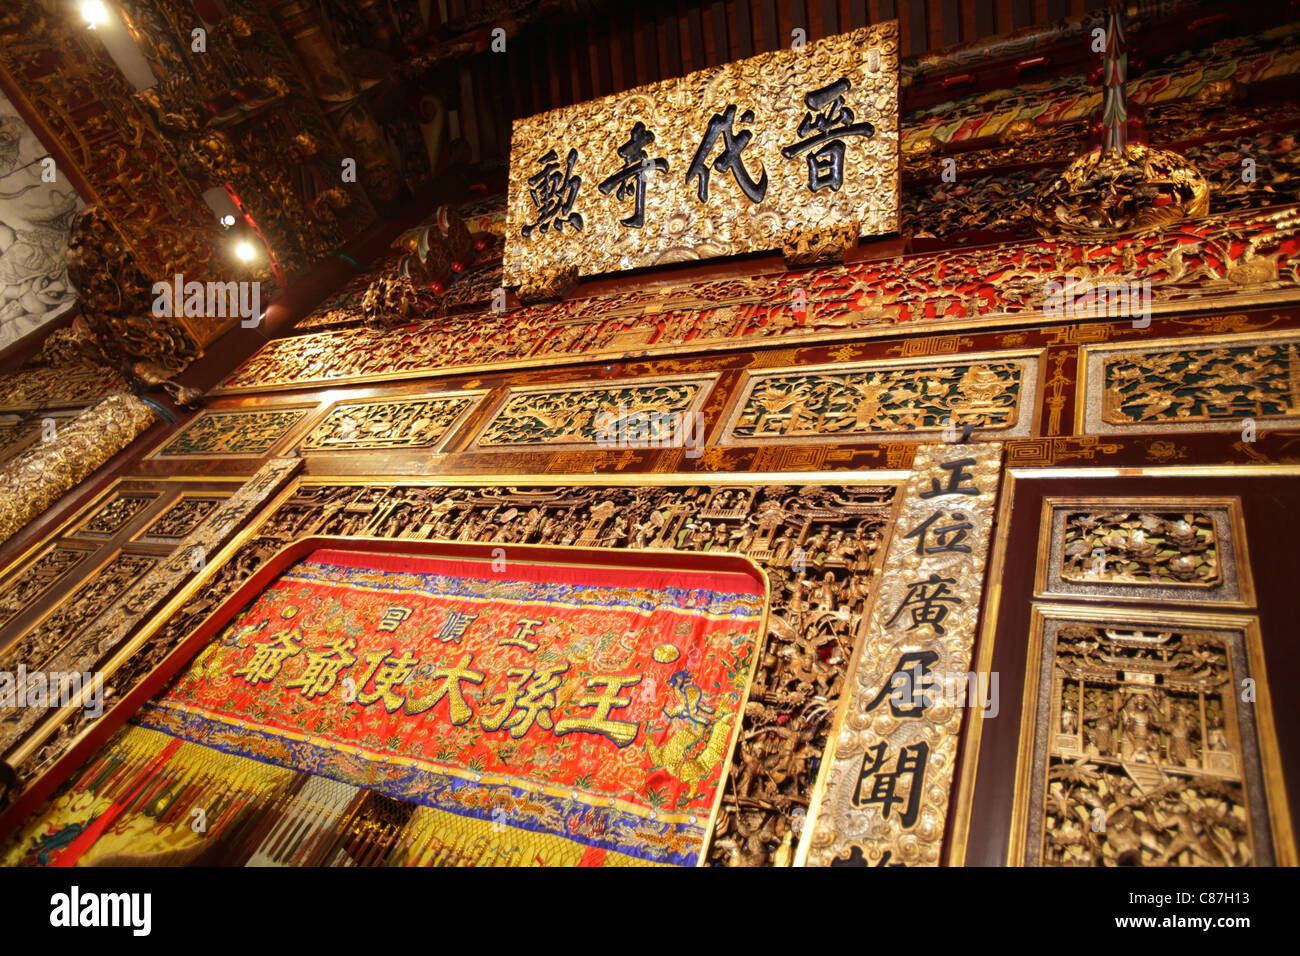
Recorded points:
(23,588)
(233,433)
(181,518)
(1161,549)
(74,614)
(1142,748)
(817,544)
(115,514)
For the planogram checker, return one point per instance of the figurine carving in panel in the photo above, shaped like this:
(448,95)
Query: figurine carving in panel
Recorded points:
(817,543)
(1144,754)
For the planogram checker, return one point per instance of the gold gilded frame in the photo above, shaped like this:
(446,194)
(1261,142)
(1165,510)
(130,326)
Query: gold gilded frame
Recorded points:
(1090,384)
(1234,555)
(1274,795)
(765,96)
(972,733)
(1026,425)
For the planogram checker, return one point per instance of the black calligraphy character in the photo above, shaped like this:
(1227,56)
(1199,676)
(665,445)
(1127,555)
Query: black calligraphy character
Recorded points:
(632,177)
(729,161)
(876,786)
(830,120)
(553,193)
(927,607)
(948,537)
(956,478)
(914,668)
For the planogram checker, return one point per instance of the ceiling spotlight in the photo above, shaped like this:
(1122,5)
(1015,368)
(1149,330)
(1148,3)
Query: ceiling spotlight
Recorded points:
(245,252)
(94,13)
(227,220)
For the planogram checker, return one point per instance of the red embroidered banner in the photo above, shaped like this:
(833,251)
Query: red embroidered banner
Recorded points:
(595,705)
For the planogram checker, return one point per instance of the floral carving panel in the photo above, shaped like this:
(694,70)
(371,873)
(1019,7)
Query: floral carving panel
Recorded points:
(1208,384)
(232,433)
(884,400)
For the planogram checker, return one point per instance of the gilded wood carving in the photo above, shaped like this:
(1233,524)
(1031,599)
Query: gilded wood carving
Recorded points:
(181,518)
(1219,260)
(727,160)
(114,514)
(105,622)
(1197,384)
(885,789)
(418,422)
(1143,751)
(817,543)
(648,410)
(232,433)
(35,479)
(888,400)
(25,587)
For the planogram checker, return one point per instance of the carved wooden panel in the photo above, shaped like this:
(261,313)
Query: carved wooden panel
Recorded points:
(232,433)
(884,792)
(103,613)
(113,515)
(181,518)
(1150,549)
(651,410)
(912,401)
(817,542)
(814,147)
(959,289)
(1200,384)
(42,387)
(1138,746)
(416,422)
(15,435)
(73,615)
(25,587)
